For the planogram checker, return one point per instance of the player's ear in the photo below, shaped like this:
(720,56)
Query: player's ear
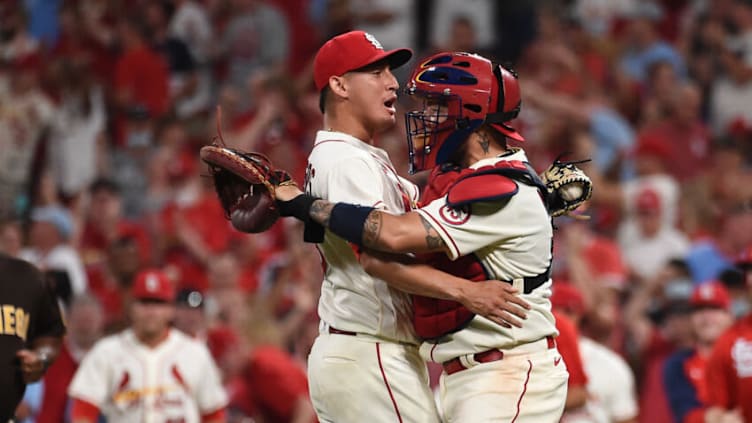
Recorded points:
(338,86)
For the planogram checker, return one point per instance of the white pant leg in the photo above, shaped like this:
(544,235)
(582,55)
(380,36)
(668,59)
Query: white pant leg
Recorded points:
(525,388)
(356,379)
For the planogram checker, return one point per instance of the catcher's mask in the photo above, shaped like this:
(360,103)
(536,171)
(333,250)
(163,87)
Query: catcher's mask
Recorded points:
(460,92)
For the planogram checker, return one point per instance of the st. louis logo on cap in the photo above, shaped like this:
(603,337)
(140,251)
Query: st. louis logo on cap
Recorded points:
(371,39)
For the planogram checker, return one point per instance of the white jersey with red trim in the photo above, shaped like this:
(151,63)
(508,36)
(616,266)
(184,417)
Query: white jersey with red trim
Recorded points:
(174,382)
(512,239)
(342,168)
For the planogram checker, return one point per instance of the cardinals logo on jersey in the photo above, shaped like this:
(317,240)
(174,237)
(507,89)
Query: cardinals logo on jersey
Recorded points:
(455,216)
(741,353)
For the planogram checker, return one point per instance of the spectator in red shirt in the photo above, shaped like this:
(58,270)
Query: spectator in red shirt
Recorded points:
(567,344)
(85,324)
(593,263)
(682,133)
(110,281)
(729,368)
(84,38)
(105,224)
(603,400)
(274,387)
(263,381)
(141,75)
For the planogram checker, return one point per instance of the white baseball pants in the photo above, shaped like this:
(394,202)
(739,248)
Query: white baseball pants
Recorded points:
(358,378)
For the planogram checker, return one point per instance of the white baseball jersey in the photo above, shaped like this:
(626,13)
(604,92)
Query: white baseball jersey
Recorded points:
(342,168)
(512,239)
(176,381)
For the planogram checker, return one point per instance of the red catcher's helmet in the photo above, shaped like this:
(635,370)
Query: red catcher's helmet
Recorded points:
(460,92)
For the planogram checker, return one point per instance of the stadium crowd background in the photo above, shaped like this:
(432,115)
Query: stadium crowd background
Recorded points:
(104,105)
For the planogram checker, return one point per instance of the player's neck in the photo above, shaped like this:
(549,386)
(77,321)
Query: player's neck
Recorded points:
(348,124)
(480,145)
(477,153)
(705,348)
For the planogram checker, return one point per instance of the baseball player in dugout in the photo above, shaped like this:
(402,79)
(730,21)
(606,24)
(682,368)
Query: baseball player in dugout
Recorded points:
(149,372)
(31,330)
(366,355)
(485,214)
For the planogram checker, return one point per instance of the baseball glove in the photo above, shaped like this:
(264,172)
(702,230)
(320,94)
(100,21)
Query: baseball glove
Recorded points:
(245,184)
(568,187)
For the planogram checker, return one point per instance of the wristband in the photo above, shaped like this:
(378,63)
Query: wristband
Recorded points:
(347,221)
(299,207)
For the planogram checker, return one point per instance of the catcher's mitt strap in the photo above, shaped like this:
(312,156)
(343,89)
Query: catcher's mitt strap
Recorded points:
(492,183)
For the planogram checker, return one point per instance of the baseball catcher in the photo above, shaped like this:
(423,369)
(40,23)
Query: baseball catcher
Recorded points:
(245,184)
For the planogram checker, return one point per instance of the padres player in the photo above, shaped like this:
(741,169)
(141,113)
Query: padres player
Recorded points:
(30,330)
(148,373)
(491,215)
(366,354)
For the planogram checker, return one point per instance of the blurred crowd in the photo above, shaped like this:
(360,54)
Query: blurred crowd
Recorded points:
(105,104)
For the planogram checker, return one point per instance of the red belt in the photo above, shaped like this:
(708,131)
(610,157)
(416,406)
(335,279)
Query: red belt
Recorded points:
(455,365)
(341,332)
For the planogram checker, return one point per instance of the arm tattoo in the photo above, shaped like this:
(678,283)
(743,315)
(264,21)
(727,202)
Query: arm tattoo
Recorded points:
(433,240)
(321,212)
(484,142)
(372,229)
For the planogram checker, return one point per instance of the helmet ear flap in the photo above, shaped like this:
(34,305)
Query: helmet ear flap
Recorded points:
(508,99)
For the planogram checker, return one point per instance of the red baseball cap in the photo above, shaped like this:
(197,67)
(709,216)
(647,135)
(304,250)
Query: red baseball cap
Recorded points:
(350,51)
(153,284)
(648,201)
(649,145)
(567,297)
(711,294)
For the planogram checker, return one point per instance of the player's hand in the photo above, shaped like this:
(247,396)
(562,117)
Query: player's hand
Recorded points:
(496,301)
(32,365)
(286,192)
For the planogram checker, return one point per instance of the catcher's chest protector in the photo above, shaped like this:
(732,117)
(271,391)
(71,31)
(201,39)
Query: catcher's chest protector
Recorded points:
(433,318)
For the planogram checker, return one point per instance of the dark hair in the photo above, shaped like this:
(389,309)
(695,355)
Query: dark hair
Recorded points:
(497,135)
(322,98)
(732,278)
(103,184)
(680,265)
